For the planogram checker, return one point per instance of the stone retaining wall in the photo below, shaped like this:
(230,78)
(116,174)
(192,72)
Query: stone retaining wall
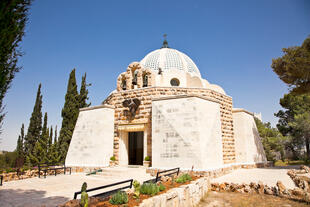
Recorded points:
(183,196)
(28,174)
(296,194)
(214,173)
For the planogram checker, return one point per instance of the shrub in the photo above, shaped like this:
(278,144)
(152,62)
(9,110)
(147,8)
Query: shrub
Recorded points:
(149,189)
(183,178)
(119,198)
(8,170)
(147,158)
(161,187)
(112,158)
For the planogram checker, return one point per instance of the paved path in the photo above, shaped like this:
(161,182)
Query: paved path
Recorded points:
(269,176)
(55,190)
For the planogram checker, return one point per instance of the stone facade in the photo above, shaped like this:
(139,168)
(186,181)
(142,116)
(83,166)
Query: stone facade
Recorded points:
(144,113)
(133,84)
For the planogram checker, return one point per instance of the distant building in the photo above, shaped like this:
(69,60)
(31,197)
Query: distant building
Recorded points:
(164,109)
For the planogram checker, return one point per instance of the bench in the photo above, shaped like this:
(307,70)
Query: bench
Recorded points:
(159,174)
(107,193)
(52,167)
(1,179)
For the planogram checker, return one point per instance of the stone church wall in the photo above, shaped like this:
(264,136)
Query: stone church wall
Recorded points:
(249,148)
(144,113)
(186,133)
(92,140)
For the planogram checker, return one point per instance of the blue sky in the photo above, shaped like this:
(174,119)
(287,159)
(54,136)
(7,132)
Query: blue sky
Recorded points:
(231,42)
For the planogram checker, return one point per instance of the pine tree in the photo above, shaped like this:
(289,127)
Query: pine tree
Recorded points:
(69,114)
(35,125)
(83,97)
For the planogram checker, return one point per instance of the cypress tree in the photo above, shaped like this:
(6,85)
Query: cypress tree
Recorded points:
(35,125)
(83,97)
(44,139)
(20,148)
(36,157)
(20,143)
(39,153)
(69,115)
(50,140)
(54,154)
(55,136)
(50,145)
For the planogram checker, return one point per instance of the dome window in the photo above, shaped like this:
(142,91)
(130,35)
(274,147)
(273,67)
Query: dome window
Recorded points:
(174,82)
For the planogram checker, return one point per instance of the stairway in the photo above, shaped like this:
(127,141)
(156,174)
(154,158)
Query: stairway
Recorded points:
(124,173)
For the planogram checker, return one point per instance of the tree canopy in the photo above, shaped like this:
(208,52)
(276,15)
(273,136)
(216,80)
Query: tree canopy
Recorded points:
(69,114)
(13,18)
(293,68)
(294,121)
(272,140)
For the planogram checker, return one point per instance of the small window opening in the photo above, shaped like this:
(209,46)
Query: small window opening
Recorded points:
(145,80)
(135,77)
(174,82)
(123,85)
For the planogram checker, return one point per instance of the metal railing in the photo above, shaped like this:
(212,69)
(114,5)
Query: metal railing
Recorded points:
(107,193)
(48,168)
(159,174)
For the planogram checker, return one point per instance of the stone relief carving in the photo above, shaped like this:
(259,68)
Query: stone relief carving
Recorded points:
(133,105)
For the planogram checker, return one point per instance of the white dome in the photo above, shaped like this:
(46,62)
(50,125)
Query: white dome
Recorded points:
(168,59)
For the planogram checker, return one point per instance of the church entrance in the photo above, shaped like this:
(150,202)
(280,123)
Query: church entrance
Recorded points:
(135,145)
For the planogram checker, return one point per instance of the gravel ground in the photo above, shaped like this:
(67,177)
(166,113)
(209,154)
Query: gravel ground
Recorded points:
(269,176)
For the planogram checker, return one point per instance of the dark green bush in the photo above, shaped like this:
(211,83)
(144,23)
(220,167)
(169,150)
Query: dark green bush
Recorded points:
(149,189)
(162,187)
(119,198)
(147,158)
(183,178)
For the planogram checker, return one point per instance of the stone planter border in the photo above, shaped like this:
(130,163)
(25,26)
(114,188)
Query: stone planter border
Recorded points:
(183,196)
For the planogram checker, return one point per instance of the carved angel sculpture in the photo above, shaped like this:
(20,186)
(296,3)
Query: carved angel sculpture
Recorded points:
(132,104)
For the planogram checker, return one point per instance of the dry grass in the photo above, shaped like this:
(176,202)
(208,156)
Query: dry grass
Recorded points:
(225,199)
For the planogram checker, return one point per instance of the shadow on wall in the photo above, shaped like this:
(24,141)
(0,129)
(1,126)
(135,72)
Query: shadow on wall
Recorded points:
(260,156)
(20,197)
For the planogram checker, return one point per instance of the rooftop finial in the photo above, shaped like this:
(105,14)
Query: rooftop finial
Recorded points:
(165,43)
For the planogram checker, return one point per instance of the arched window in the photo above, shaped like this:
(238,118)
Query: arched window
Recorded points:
(145,80)
(135,77)
(174,82)
(123,84)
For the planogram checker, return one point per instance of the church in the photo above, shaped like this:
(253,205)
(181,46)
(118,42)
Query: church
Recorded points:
(163,110)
